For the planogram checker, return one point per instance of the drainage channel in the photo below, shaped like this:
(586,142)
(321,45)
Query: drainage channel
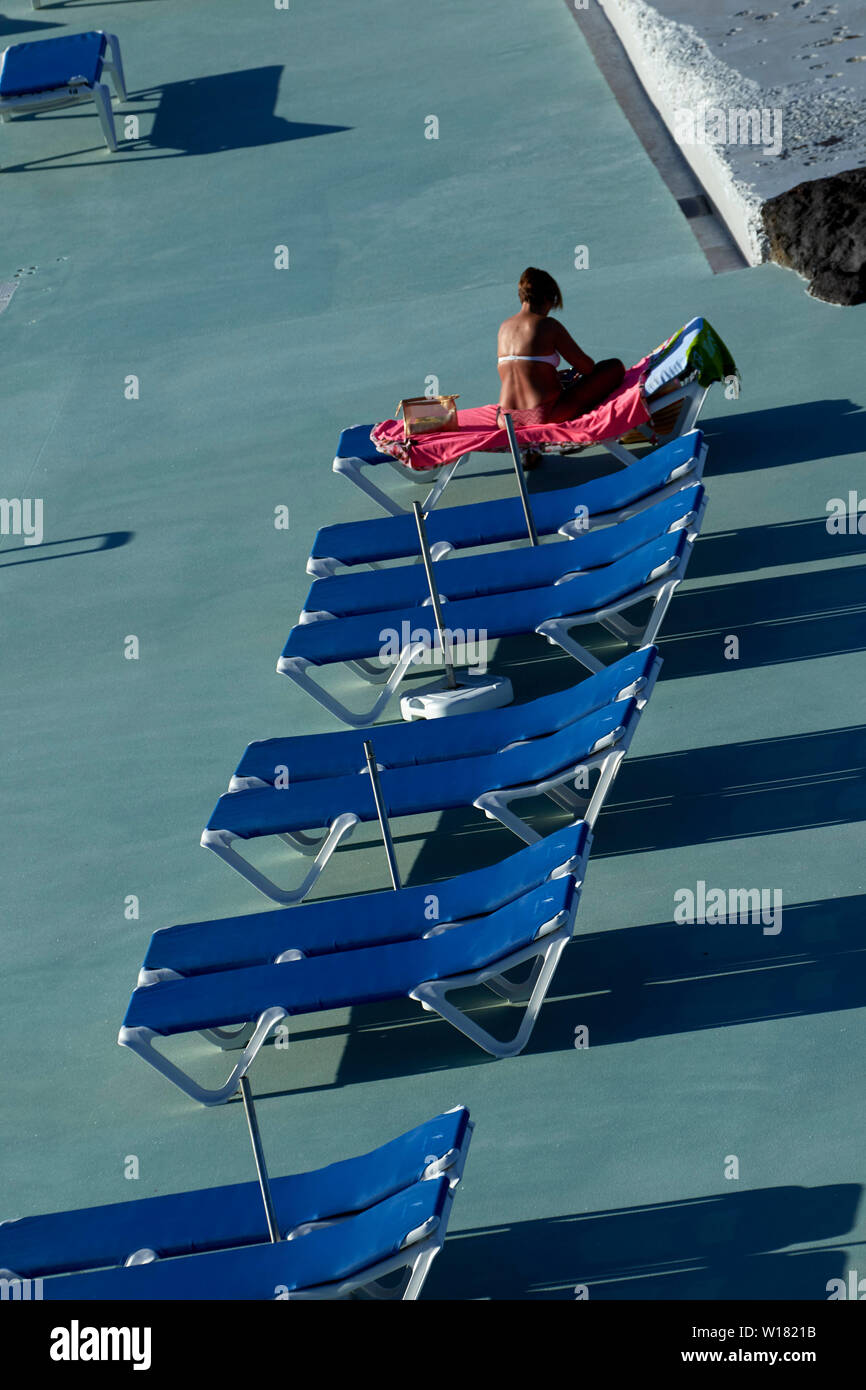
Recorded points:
(708,227)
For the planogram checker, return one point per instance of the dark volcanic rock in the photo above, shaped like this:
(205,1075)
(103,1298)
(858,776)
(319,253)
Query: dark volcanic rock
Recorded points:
(819,229)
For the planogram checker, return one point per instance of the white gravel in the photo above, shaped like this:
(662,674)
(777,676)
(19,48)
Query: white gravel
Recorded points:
(804,60)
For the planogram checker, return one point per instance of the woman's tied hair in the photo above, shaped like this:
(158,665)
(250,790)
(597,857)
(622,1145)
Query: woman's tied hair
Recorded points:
(536,288)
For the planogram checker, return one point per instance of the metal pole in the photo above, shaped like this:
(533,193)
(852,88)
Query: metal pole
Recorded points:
(521,480)
(380,812)
(434,595)
(258,1155)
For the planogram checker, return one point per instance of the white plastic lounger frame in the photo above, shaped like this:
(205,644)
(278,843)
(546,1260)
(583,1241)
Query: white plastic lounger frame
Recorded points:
(547,946)
(550,941)
(321,847)
(74,93)
(604,758)
(353,469)
(388,677)
(659,588)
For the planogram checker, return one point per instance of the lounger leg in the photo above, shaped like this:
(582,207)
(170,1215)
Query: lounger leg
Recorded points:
(418,1274)
(102,99)
(384,1293)
(660,590)
(663,598)
(308,845)
(568,800)
(298,839)
(556,630)
(606,779)
(140,1040)
(296,669)
(620,627)
(414,1261)
(506,989)
(220,841)
(227,1039)
(695,406)
(353,470)
(114,65)
(588,807)
(440,485)
(495,806)
(374,675)
(619,451)
(432,996)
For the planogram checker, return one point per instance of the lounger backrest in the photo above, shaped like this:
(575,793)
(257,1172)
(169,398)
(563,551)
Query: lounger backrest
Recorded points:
(187,1223)
(248,814)
(369,919)
(498,615)
(323,1255)
(310,758)
(499,571)
(375,974)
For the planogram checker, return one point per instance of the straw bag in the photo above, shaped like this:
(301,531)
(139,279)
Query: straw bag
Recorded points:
(424,414)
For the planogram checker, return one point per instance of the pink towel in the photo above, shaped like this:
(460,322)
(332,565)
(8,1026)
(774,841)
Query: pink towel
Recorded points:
(477,430)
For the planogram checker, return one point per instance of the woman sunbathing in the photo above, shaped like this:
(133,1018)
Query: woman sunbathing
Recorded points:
(530,347)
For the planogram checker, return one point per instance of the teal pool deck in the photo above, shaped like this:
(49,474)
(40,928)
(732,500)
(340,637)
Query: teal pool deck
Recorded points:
(306,128)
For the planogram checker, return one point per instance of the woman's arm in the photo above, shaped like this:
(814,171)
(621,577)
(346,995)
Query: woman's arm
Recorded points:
(569,349)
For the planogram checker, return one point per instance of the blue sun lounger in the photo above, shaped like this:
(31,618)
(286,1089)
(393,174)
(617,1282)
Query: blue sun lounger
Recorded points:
(570,511)
(342,595)
(307,757)
(673,416)
(391,1210)
(369,919)
(45,74)
(560,767)
(381,647)
(349,925)
(452,956)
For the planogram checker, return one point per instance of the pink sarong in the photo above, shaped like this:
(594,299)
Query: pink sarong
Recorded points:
(478,432)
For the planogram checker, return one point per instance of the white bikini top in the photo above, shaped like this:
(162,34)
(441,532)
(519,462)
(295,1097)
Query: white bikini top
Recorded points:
(552,359)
